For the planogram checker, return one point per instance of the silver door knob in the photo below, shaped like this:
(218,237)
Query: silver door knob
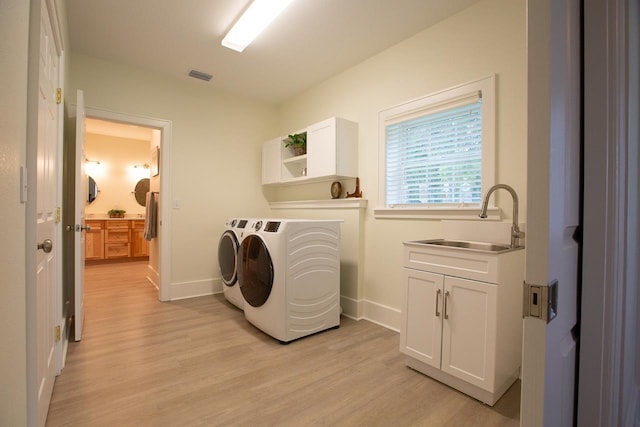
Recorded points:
(46,246)
(79,228)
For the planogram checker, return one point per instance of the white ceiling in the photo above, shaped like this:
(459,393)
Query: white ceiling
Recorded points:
(120,130)
(309,42)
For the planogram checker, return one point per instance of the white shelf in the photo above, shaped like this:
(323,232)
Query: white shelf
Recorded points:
(351,203)
(296,159)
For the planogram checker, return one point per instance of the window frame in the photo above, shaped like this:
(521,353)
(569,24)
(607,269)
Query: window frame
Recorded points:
(430,104)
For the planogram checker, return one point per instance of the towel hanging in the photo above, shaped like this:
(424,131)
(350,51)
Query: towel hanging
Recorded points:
(151,216)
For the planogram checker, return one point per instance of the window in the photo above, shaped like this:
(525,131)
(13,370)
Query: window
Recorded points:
(437,152)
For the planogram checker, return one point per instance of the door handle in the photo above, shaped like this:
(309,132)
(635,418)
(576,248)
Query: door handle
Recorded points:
(79,228)
(446,298)
(46,246)
(438,292)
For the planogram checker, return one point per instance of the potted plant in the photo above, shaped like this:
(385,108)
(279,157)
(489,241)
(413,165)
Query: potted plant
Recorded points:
(116,213)
(297,142)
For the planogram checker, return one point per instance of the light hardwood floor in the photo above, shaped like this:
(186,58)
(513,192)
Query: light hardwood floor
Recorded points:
(198,362)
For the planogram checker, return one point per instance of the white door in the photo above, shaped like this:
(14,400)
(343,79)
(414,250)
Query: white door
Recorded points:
(47,217)
(80,227)
(553,174)
(421,330)
(469,331)
(321,149)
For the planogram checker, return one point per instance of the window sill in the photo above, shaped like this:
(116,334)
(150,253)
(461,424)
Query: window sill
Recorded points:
(435,213)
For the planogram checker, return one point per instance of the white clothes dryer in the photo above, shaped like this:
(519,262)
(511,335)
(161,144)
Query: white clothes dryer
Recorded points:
(228,260)
(289,274)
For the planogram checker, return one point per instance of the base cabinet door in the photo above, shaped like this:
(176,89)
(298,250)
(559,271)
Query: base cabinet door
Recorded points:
(421,330)
(139,245)
(94,240)
(469,331)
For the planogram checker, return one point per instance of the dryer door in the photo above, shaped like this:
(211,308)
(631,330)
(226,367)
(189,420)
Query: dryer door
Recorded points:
(228,257)
(255,270)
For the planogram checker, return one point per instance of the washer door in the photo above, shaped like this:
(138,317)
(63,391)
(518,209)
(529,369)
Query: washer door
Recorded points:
(228,257)
(255,270)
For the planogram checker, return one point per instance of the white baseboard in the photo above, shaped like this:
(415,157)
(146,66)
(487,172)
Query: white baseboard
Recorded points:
(382,315)
(351,308)
(153,276)
(379,314)
(196,288)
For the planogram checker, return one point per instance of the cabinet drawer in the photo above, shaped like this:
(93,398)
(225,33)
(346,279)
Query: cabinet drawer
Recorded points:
(95,225)
(117,236)
(117,225)
(116,250)
(137,225)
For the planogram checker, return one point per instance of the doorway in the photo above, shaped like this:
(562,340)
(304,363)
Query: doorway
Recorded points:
(117,163)
(159,171)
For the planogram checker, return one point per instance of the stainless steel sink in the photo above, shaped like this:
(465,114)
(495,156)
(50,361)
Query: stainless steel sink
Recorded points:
(473,246)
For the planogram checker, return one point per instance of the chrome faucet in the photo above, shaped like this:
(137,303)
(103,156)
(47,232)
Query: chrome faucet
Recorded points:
(516,234)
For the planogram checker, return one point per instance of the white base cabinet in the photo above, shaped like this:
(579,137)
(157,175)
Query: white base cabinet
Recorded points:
(332,153)
(465,333)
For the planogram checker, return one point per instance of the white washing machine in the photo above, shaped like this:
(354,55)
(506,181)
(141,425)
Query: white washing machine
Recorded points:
(289,274)
(228,260)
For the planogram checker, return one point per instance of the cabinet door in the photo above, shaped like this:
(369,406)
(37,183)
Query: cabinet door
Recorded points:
(139,245)
(94,241)
(271,161)
(421,329)
(469,331)
(321,149)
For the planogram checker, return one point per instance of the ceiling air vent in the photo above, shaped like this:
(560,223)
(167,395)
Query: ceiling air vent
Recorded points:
(200,75)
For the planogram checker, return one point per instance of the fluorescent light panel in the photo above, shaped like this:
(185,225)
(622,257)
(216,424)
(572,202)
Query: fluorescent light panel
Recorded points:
(255,19)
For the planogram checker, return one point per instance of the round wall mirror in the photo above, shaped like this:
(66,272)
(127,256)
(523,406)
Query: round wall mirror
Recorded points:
(141,190)
(92,190)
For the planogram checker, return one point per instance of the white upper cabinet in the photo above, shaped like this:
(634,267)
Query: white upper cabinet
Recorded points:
(271,161)
(332,153)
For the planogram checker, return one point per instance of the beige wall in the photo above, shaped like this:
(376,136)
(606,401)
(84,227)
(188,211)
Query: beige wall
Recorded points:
(116,177)
(216,137)
(485,39)
(14,37)
(215,154)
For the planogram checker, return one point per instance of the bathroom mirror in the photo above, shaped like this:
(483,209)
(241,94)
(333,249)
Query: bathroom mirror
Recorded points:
(92,189)
(141,190)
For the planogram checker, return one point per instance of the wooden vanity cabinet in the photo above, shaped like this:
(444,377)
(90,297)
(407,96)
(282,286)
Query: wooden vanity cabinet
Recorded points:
(115,240)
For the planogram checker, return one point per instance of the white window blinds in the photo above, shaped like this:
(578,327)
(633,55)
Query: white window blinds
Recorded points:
(435,157)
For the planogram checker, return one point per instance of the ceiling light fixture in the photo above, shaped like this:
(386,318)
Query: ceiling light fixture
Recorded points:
(255,19)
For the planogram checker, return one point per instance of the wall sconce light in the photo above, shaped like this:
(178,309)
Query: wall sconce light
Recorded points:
(141,171)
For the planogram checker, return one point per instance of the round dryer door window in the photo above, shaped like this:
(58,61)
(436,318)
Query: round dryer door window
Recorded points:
(227,257)
(255,271)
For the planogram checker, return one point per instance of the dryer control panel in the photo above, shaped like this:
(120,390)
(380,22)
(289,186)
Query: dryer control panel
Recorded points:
(272,226)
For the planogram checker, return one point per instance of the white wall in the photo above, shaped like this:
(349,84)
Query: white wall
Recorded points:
(115,176)
(487,38)
(215,156)
(14,37)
